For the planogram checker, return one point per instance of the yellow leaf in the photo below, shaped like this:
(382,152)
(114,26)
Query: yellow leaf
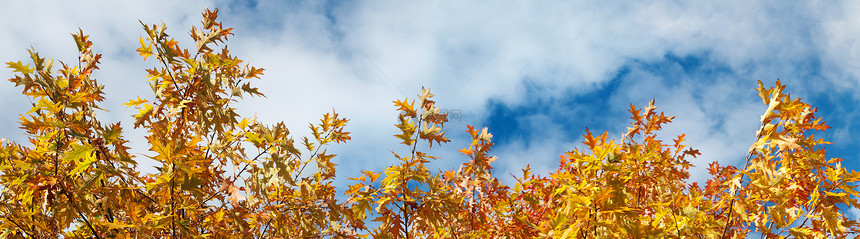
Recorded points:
(407,108)
(833,222)
(832,194)
(136,102)
(801,232)
(145,50)
(19,67)
(81,156)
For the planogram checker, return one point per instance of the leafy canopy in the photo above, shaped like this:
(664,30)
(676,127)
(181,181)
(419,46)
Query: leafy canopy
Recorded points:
(220,174)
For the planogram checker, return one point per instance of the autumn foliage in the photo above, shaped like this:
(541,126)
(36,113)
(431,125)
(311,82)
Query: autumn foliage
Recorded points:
(222,175)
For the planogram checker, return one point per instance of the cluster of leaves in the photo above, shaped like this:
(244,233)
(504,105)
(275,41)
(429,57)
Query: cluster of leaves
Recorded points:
(77,178)
(224,175)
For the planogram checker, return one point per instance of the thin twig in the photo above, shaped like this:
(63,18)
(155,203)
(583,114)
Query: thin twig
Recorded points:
(75,206)
(732,204)
(22,228)
(302,169)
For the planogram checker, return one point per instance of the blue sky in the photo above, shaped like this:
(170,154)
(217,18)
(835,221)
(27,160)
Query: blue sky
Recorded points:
(536,73)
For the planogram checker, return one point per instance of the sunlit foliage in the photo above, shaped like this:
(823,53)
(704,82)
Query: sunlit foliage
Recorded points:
(222,175)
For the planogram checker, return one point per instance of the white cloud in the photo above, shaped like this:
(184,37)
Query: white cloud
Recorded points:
(359,56)
(842,44)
